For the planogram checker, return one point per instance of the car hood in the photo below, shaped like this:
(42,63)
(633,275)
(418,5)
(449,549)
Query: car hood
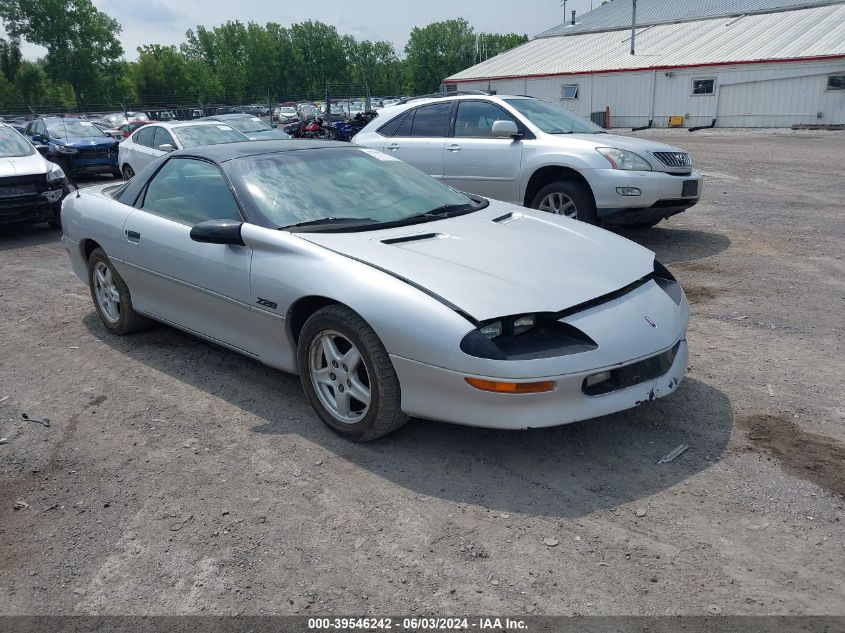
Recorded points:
(85,142)
(638,145)
(23,165)
(266,134)
(500,261)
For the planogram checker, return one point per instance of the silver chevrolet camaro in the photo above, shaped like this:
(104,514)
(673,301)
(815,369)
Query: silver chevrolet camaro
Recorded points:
(389,293)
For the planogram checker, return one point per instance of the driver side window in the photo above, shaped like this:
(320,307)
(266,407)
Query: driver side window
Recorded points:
(190,191)
(476,118)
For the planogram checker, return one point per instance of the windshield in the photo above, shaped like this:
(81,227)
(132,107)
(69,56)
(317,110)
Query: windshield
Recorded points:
(13,144)
(196,135)
(248,124)
(72,128)
(293,187)
(553,119)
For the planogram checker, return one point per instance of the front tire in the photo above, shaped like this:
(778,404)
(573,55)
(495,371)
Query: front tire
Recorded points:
(128,172)
(567,198)
(111,296)
(347,375)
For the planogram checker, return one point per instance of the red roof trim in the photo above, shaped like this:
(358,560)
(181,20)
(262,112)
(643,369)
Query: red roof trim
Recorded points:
(632,70)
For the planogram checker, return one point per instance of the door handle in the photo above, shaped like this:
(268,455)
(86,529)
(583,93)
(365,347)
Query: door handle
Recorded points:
(454,148)
(393,147)
(133,236)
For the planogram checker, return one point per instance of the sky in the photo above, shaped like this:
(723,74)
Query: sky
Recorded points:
(165,21)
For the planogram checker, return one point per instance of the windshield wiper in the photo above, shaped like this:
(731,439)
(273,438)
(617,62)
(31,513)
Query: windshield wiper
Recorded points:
(329,221)
(441,213)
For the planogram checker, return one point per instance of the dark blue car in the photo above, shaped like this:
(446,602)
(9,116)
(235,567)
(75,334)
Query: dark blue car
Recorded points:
(78,146)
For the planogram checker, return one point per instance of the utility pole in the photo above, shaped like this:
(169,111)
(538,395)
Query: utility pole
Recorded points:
(633,24)
(563,4)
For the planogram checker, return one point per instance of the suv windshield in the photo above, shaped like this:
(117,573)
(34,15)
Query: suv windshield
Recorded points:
(196,135)
(13,144)
(72,128)
(553,119)
(347,186)
(248,124)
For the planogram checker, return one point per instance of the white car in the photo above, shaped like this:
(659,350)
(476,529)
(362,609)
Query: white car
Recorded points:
(31,187)
(156,139)
(539,155)
(285,113)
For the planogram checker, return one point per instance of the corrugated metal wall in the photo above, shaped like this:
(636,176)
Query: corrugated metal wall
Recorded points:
(748,95)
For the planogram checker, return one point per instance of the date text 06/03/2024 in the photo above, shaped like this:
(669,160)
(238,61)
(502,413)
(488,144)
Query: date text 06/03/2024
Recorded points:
(417,624)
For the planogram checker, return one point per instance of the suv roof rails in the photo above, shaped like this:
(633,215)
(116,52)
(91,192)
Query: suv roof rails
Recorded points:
(443,95)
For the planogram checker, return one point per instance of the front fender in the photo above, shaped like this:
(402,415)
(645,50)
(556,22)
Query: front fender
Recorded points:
(409,322)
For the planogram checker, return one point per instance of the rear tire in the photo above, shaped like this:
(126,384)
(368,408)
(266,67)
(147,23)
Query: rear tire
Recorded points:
(111,296)
(568,198)
(128,172)
(117,173)
(357,395)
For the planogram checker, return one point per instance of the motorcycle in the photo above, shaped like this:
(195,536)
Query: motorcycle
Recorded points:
(311,128)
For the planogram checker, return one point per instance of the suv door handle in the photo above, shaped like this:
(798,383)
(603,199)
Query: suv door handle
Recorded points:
(454,148)
(133,236)
(393,147)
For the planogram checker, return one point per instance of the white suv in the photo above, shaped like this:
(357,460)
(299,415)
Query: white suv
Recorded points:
(537,154)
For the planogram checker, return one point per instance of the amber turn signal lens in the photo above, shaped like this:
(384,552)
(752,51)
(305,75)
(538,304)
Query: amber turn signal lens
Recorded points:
(511,387)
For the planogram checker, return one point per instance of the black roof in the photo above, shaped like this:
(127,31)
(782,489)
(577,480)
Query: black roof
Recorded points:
(226,152)
(229,151)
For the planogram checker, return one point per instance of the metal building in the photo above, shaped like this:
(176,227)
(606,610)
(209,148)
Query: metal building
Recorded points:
(744,63)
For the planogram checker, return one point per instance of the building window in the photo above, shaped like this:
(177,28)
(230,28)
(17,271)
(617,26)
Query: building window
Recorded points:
(836,82)
(703,86)
(569,91)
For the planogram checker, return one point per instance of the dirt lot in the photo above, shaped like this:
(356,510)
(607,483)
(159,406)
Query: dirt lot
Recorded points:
(176,477)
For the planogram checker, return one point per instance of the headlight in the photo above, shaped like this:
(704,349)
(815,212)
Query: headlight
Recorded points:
(525,337)
(623,159)
(62,149)
(55,174)
(491,330)
(523,324)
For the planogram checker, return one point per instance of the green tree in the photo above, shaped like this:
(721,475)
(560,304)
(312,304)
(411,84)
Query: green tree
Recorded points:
(32,84)
(492,44)
(10,58)
(436,51)
(160,74)
(320,55)
(80,40)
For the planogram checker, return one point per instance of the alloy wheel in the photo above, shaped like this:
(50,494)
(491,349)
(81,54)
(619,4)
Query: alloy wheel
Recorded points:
(559,204)
(108,297)
(339,376)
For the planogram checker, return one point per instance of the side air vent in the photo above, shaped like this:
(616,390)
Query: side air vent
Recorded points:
(507,217)
(412,238)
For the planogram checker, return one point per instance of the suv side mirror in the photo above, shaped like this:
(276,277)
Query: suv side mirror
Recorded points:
(166,147)
(38,138)
(505,129)
(218,232)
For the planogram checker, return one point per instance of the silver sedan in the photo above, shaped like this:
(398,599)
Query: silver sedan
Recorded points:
(389,293)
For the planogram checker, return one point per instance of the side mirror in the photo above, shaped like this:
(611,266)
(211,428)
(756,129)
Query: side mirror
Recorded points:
(505,129)
(166,147)
(218,232)
(37,138)
(274,125)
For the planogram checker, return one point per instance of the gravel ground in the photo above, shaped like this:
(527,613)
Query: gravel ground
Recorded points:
(179,478)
